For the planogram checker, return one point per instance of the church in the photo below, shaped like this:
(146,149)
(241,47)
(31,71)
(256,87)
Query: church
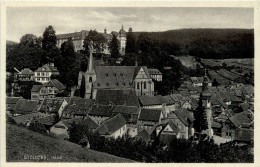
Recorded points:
(135,78)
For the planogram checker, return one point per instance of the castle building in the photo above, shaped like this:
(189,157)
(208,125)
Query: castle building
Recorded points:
(115,77)
(206,102)
(78,39)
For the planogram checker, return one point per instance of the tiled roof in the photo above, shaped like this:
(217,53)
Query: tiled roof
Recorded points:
(153,71)
(68,122)
(149,100)
(111,125)
(184,115)
(248,89)
(47,68)
(81,35)
(151,115)
(244,135)
(22,119)
(36,88)
(185,93)
(138,68)
(12,100)
(90,123)
(101,110)
(53,104)
(176,97)
(25,106)
(197,79)
(50,120)
(55,83)
(241,118)
(216,125)
(117,97)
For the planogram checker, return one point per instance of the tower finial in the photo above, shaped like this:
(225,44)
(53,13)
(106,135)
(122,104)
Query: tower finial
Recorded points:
(122,27)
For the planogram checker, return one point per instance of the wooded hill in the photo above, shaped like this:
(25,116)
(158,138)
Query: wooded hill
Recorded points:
(205,43)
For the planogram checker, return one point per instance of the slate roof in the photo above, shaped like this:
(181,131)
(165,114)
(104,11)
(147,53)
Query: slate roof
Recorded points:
(149,100)
(241,118)
(102,111)
(25,107)
(151,115)
(154,71)
(36,88)
(126,110)
(166,99)
(48,68)
(55,83)
(184,116)
(114,76)
(244,135)
(175,128)
(27,71)
(117,97)
(111,125)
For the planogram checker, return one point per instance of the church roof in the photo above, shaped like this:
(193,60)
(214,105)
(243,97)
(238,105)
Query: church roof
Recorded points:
(114,76)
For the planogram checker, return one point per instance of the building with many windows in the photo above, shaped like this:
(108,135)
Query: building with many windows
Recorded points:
(43,74)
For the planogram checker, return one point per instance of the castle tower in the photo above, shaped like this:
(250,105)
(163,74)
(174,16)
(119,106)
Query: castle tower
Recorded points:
(122,40)
(90,74)
(206,102)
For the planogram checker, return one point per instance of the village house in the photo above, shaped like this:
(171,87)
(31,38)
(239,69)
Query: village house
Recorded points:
(10,104)
(151,102)
(183,119)
(234,122)
(61,127)
(47,90)
(130,114)
(43,74)
(27,119)
(155,74)
(77,107)
(53,106)
(169,132)
(168,104)
(47,121)
(24,106)
(25,75)
(113,128)
(100,113)
(149,119)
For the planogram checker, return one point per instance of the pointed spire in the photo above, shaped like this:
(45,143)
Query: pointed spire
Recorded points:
(90,63)
(105,30)
(122,27)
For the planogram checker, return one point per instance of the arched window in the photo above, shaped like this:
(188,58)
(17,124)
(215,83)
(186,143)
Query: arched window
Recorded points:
(138,86)
(144,85)
(90,79)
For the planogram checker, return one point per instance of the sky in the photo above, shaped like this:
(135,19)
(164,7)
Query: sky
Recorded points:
(34,20)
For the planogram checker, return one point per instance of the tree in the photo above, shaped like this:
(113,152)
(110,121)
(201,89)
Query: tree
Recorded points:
(130,42)
(26,87)
(30,40)
(38,127)
(77,132)
(114,47)
(49,42)
(200,116)
(69,65)
(145,43)
(98,42)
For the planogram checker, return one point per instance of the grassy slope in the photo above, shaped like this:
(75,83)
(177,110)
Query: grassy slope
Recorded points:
(21,142)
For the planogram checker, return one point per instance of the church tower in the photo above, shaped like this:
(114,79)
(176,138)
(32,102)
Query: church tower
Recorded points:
(206,102)
(90,75)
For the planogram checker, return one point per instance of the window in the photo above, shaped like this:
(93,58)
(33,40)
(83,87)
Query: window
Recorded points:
(90,79)
(138,86)
(38,74)
(43,74)
(107,84)
(117,84)
(106,74)
(43,79)
(38,79)
(144,85)
(121,74)
(114,74)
